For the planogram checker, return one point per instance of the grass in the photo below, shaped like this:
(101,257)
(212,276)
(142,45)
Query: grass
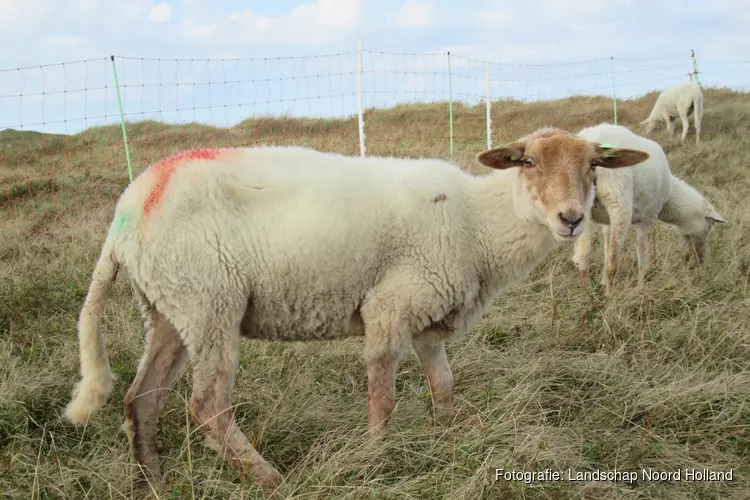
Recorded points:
(555,376)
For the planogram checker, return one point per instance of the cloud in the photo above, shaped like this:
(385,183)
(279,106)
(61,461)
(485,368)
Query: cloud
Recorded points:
(318,24)
(63,41)
(495,19)
(198,32)
(735,11)
(578,9)
(161,13)
(17,15)
(328,14)
(86,5)
(417,14)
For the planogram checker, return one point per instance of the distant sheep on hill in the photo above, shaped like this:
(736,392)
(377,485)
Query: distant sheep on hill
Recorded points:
(641,196)
(294,244)
(681,100)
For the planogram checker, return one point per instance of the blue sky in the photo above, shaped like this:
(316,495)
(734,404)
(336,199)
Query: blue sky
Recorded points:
(650,40)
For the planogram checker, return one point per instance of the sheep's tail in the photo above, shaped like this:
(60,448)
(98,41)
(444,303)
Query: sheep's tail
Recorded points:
(97,381)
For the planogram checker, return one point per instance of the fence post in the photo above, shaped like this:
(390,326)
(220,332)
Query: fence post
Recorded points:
(487,92)
(122,119)
(614,91)
(360,111)
(695,66)
(450,103)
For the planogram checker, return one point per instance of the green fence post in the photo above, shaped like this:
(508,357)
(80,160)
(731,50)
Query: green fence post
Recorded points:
(695,66)
(614,91)
(122,120)
(450,103)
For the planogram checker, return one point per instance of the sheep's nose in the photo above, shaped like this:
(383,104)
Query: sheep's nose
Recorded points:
(571,218)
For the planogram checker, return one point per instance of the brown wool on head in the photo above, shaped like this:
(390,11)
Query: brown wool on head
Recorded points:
(560,151)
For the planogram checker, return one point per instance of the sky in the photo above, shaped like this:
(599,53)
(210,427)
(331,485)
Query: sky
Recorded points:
(222,61)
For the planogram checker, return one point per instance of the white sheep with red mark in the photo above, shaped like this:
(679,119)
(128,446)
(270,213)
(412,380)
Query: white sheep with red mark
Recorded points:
(681,101)
(294,244)
(640,196)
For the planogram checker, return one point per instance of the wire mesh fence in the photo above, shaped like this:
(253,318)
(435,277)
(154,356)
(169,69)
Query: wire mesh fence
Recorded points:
(80,130)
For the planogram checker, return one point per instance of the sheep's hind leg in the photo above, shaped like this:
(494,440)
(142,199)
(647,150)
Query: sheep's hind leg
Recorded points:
(697,118)
(685,123)
(215,355)
(162,363)
(435,364)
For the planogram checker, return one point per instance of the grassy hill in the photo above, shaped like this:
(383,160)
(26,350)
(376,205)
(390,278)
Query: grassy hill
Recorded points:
(554,376)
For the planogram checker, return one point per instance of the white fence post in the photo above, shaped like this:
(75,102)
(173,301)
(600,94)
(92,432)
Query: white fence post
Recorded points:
(487,92)
(359,102)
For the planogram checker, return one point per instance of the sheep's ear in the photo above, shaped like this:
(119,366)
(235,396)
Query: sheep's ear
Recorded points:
(714,216)
(502,157)
(614,157)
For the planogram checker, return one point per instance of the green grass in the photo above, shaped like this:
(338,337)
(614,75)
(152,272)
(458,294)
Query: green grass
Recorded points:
(554,376)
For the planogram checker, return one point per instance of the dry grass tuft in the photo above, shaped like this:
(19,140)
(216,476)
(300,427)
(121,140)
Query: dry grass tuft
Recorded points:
(655,379)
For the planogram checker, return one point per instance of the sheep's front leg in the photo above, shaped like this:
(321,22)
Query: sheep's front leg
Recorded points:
(670,125)
(390,323)
(620,211)
(606,239)
(381,390)
(582,251)
(617,236)
(642,250)
(435,364)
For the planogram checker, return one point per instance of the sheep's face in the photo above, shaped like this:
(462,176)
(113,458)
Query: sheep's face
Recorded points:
(557,170)
(696,229)
(647,125)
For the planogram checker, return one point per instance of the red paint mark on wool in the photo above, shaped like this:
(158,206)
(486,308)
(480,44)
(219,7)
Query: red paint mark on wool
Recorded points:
(165,169)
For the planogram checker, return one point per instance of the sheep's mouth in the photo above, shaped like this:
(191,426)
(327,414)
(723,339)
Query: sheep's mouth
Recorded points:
(565,235)
(564,231)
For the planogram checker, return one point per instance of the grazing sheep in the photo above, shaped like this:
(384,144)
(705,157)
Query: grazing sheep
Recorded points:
(641,196)
(681,100)
(294,244)
(693,216)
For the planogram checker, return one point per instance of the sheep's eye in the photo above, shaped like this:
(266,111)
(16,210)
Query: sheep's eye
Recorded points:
(528,162)
(596,163)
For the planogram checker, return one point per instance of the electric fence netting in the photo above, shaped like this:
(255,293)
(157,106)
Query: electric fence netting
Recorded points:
(81,130)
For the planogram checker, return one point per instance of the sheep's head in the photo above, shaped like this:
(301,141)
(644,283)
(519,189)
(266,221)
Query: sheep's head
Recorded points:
(557,171)
(696,228)
(647,125)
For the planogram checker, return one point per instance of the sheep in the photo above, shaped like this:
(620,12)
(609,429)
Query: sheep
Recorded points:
(692,215)
(641,195)
(294,244)
(681,100)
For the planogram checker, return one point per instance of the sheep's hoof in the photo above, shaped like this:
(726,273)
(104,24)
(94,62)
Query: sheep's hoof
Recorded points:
(584,275)
(261,473)
(265,476)
(640,284)
(375,433)
(444,417)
